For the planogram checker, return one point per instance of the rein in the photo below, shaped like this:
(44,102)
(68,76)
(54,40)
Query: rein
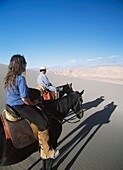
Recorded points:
(69,120)
(64,120)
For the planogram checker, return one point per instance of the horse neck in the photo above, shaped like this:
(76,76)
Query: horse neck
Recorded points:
(66,103)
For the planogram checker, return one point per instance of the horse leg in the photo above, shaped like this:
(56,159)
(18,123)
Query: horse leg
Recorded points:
(54,132)
(47,164)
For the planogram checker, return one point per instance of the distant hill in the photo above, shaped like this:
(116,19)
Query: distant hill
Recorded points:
(106,73)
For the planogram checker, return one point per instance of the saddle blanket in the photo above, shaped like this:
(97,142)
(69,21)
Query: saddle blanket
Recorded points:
(20,131)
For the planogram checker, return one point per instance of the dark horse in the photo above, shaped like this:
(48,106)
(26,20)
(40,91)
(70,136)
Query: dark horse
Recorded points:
(61,91)
(56,112)
(67,88)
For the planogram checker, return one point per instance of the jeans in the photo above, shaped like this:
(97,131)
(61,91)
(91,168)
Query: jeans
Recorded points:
(34,115)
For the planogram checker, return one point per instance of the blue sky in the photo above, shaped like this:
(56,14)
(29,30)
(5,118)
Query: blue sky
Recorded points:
(83,33)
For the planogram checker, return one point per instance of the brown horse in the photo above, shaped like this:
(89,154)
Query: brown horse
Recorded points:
(9,154)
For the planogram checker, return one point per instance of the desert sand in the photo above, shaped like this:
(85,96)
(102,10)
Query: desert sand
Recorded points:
(93,143)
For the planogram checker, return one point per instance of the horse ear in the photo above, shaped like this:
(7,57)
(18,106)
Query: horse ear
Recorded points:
(82,92)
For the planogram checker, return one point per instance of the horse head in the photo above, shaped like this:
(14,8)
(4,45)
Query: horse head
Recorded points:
(77,107)
(65,89)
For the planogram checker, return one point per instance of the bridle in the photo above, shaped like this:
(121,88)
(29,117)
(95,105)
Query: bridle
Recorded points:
(79,101)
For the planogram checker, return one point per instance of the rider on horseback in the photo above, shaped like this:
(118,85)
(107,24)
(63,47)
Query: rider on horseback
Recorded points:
(18,98)
(43,81)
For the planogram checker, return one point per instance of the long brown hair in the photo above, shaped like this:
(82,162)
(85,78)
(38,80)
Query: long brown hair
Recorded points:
(16,67)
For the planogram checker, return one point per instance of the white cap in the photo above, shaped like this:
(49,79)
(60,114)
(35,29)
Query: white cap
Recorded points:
(43,68)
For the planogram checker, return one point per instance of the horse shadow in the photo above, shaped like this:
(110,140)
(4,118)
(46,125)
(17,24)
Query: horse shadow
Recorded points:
(97,120)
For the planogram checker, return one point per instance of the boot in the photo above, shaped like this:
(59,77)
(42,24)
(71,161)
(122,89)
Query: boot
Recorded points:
(46,151)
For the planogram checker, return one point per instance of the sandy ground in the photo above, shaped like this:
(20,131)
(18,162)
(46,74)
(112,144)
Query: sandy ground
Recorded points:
(93,143)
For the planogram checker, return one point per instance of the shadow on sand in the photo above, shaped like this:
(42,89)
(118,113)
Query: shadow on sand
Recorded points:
(94,103)
(96,120)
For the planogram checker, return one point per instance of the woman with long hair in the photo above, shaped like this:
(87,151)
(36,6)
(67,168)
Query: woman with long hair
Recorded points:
(18,97)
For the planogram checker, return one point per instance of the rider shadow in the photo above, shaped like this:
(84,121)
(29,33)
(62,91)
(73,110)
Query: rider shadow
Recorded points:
(96,120)
(94,103)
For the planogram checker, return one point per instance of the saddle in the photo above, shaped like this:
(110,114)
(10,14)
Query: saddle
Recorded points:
(47,95)
(17,129)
